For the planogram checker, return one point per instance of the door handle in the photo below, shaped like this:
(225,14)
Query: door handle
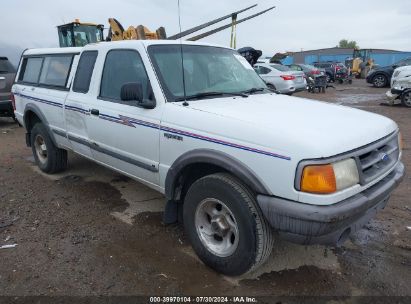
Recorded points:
(94,112)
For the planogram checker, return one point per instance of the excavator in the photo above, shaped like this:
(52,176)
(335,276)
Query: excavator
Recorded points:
(79,34)
(360,63)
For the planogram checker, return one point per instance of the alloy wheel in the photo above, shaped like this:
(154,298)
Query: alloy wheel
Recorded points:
(216,227)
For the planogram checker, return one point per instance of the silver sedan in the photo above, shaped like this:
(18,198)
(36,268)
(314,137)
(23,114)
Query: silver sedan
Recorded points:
(281,78)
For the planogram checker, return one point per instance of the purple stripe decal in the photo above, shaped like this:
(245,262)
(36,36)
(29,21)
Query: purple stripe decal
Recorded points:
(131,122)
(222,142)
(51,103)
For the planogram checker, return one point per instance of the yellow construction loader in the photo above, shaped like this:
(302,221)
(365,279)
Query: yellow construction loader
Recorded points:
(361,63)
(79,34)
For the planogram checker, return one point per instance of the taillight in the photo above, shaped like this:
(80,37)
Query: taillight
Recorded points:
(315,72)
(337,68)
(287,77)
(13,101)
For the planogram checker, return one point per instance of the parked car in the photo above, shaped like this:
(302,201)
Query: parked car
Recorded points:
(308,69)
(333,70)
(234,160)
(264,59)
(7,75)
(381,77)
(400,92)
(281,78)
(401,72)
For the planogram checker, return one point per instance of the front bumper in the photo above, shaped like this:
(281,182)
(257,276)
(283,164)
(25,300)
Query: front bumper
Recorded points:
(396,91)
(331,224)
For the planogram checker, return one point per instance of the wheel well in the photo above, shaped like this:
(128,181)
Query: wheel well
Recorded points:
(379,74)
(190,174)
(30,119)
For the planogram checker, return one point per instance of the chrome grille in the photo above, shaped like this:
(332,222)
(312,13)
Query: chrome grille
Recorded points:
(378,158)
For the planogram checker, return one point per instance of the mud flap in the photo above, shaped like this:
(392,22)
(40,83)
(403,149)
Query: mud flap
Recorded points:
(173,212)
(28,135)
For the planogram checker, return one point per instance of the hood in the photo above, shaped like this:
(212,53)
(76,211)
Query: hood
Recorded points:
(403,68)
(387,68)
(291,124)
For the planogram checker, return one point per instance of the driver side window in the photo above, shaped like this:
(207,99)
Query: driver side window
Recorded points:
(122,67)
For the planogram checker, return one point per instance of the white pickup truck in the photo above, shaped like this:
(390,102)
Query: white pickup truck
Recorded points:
(236,162)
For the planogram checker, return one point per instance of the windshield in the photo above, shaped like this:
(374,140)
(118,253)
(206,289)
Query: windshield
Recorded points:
(84,34)
(206,69)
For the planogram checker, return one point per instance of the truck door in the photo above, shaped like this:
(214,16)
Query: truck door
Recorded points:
(124,135)
(76,108)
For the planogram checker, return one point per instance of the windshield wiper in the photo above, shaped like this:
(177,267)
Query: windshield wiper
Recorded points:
(253,90)
(210,94)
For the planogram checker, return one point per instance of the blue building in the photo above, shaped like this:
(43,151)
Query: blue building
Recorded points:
(381,56)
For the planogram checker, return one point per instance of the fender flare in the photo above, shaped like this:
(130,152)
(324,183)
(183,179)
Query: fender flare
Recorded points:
(213,157)
(36,110)
(383,73)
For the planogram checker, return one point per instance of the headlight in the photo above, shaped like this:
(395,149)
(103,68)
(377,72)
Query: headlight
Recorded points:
(329,178)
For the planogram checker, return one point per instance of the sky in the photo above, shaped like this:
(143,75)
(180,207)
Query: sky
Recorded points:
(293,25)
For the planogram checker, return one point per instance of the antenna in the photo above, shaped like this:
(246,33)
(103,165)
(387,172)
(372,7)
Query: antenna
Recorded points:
(182,57)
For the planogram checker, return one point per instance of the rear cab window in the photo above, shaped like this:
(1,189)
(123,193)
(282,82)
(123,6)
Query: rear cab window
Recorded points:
(55,70)
(46,70)
(31,68)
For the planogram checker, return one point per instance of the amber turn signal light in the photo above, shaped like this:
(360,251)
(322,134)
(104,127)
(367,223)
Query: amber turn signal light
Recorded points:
(400,141)
(318,179)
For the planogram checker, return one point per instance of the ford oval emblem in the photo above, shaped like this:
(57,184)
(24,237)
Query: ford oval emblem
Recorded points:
(384,157)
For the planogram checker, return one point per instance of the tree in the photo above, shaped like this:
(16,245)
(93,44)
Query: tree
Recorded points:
(344,43)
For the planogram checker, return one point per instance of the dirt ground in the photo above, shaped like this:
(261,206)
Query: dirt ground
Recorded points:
(91,231)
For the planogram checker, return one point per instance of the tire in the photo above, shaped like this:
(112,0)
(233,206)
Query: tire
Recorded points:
(328,77)
(141,33)
(235,218)
(161,33)
(406,98)
(271,86)
(379,81)
(48,157)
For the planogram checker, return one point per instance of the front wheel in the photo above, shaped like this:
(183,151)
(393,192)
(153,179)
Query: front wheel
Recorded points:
(225,226)
(379,81)
(406,98)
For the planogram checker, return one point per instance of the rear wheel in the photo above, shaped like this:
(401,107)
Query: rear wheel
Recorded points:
(271,87)
(328,77)
(379,81)
(48,157)
(225,226)
(406,98)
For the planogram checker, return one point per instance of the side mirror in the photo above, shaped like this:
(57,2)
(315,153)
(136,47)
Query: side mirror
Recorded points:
(133,91)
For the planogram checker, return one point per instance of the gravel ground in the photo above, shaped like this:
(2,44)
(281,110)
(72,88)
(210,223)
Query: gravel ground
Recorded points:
(91,231)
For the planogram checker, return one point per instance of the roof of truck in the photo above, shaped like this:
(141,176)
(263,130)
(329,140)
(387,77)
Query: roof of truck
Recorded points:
(44,51)
(131,43)
(107,45)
